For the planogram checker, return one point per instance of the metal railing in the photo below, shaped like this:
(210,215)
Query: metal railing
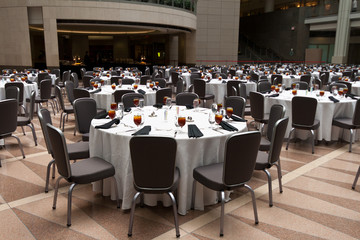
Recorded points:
(187,5)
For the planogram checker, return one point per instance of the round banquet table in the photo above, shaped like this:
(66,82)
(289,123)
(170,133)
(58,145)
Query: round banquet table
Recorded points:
(106,96)
(28,88)
(325,112)
(355,88)
(219,89)
(288,79)
(33,77)
(113,146)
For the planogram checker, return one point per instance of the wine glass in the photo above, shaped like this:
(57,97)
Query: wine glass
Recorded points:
(219,106)
(138,119)
(345,90)
(113,106)
(196,104)
(334,90)
(135,86)
(218,117)
(120,83)
(168,102)
(214,108)
(120,111)
(148,83)
(211,119)
(136,102)
(341,92)
(229,112)
(141,103)
(113,86)
(322,92)
(181,121)
(111,114)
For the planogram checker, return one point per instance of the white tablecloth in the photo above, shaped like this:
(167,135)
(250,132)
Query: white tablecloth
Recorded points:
(325,112)
(113,145)
(288,79)
(33,77)
(355,88)
(219,89)
(106,96)
(27,90)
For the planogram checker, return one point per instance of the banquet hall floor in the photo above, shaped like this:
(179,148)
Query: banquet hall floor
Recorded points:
(317,202)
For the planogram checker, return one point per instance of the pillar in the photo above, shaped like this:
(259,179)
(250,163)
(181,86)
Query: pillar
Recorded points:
(50,38)
(174,50)
(342,33)
(269,6)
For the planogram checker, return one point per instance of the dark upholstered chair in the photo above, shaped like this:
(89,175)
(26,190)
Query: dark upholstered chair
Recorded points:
(66,109)
(162,82)
(318,82)
(127,81)
(193,76)
(237,103)
(78,150)
(8,123)
(350,123)
(66,76)
(86,80)
(266,160)
(302,85)
(12,92)
(243,94)
(200,89)
(154,171)
(69,88)
(85,110)
(324,77)
(23,121)
(45,94)
(276,79)
(20,85)
(42,76)
(277,112)
(144,78)
(257,109)
(264,87)
(161,93)
(185,98)
(306,78)
(83,172)
(234,172)
(338,85)
(303,116)
(233,88)
(119,93)
(80,93)
(75,79)
(128,99)
(115,80)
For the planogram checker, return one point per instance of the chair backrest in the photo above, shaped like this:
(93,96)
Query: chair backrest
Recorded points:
(60,153)
(229,88)
(144,79)
(45,89)
(115,80)
(238,168)
(162,82)
(254,77)
(86,80)
(356,117)
(128,98)
(66,76)
(186,98)
(8,121)
(180,86)
(75,79)
(305,78)
(302,85)
(42,76)
(264,86)
(84,110)
(44,119)
(348,84)
(278,77)
(161,93)
(324,77)
(20,85)
(119,93)
(237,103)
(69,88)
(277,139)
(80,93)
(32,105)
(242,92)
(174,77)
(89,73)
(153,169)
(200,87)
(337,85)
(58,94)
(127,81)
(82,72)
(147,71)
(303,110)
(277,112)
(257,105)
(194,75)
(318,82)
(12,92)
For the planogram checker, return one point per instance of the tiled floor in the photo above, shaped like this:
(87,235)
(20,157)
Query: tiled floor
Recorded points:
(317,202)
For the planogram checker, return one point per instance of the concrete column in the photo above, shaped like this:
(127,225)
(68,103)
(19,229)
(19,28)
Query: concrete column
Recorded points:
(190,40)
(174,50)
(50,37)
(269,6)
(342,33)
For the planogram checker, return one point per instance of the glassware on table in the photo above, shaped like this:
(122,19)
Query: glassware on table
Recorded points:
(156,83)
(181,121)
(164,100)
(345,91)
(138,119)
(168,102)
(102,82)
(148,83)
(293,86)
(135,86)
(120,83)
(341,92)
(113,106)
(111,114)
(96,85)
(214,108)
(334,90)
(272,88)
(322,93)
(92,83)
(141,103)
(229,111)
(211,119)
(277,89)
(219,106)
(136,102)
(120,111)
(196,103)
(294,92)
(218,117)
(137,81)
(113,86)
(297,86)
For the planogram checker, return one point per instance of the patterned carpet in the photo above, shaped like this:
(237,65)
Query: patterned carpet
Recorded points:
(317,202)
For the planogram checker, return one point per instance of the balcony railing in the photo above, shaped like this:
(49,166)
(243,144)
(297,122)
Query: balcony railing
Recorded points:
(324,8)
(187,5)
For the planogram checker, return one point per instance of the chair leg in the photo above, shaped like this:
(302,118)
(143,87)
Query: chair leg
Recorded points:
(171,195)
(351,138)
(356,178)
(48,175)
(278,166)
(270,187)
(193,195)
(20,145)
(288,141)
(142,200)
(31,126)
(63,122)
(69,204)
(253,202)
(312,141)
(22,128)
(61,117)
(132,213)
(56,191)
(52,106)
(75,131)
(222,194)
(116,191)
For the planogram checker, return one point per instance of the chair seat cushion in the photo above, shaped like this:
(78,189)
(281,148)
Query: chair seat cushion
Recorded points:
(91,170)
(23,121)
(305,127)
(210,176)
(208,97)
(162,190)
(100,111)
(262,161)
(344,123)
(79,150)
(69,109)
(264,144)
(85,137)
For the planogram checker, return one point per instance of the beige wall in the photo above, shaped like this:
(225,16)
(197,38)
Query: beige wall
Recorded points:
(217,31)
